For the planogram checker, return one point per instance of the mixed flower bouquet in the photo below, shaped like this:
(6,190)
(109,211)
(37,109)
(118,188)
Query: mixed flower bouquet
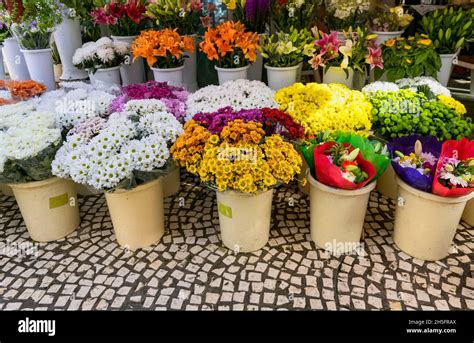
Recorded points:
(343,15)
(230,45)
(321,107)
(238,94)
(173,98)
(187,16)
(102,54)
(299,14)
(162,49)
(124,17)
(252,13)
(128,149)
(409,57)
(287,49)
(389,19)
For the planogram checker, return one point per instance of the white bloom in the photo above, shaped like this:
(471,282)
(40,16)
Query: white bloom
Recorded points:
(145,106)
(122,48)
(435,87)
(381,86)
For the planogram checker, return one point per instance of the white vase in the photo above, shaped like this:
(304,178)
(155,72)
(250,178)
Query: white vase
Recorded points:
(279,78)
(382,36)
(15,60)
(338,75)
(108,76)
(40,66)
(232,74)
(173,76)
(133,72)
(2,66)
(190,69)
(446,68)
(68,39)
(256,68)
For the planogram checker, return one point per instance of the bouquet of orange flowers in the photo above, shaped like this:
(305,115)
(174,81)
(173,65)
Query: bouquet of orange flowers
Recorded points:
(162,49)
(21,90)
(230,45)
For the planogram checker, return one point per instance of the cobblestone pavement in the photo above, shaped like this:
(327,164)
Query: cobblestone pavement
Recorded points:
(190,269)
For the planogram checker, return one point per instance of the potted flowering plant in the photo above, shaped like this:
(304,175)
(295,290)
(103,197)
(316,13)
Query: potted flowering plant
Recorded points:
(435,182)
(450,30)
(232,47)
(287,14)
(29,140)
(102,59)
(344,15)
(284,54)
(343,170)
(125,19)
(125,157)
(164,52)
(389,22)
(243,163)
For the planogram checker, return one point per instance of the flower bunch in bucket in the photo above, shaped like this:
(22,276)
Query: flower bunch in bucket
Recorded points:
(343,15)
(389,19)
(21,90)
(299,14)
(252,13)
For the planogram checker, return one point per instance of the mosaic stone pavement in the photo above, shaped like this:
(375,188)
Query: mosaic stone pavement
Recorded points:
(189,269)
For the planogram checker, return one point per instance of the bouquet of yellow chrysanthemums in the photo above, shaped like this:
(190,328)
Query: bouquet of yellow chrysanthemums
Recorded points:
(322,107)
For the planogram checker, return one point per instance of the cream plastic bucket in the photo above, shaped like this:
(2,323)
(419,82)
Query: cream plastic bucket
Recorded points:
(468,215)
(337,216)
(6,190)
(138,214)
(49,208)
(171,183)
(244,219)
(387,183)
(425,224)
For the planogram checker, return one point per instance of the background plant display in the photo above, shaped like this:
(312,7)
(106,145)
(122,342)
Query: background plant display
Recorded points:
(389,19)
(252,13)
(344,15)
(287,14)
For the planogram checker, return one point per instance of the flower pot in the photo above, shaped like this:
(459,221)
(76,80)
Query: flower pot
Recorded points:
(190,69)
(137,214)
(173,76)
(387,183)
(425,224)
(171,182)
(360,80)
(49,208)
(15,60)
(231,74)
(2,65)
(135,71)
(40,66)
(58,71)
(6,190)
(256,69)
(83,190)
(382,36)
(337,216)
(444,74)
(337,75)
(244,219)
(279,78)
(108,76)
(67,36)
(468,214)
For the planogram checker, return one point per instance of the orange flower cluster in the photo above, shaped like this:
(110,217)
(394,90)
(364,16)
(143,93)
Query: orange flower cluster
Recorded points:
(166,46)
(229,40)
(239,131)
(21,90)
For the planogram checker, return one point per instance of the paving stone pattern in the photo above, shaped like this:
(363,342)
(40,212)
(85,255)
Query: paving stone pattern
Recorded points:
(189,269)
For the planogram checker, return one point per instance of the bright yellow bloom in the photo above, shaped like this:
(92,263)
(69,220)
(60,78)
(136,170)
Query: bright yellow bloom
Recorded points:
(390,43)
(425,42)
(457,106)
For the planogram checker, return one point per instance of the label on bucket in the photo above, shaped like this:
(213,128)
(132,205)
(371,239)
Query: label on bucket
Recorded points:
(58,201)
(401,202)
(224,210)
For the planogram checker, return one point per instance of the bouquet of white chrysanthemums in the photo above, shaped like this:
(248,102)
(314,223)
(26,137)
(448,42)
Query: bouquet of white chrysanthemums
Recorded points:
(29,141)
(130,148)
(102,54)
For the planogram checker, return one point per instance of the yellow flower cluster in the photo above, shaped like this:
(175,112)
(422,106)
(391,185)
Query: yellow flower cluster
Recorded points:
(322,107)
(239,131)
(457,106)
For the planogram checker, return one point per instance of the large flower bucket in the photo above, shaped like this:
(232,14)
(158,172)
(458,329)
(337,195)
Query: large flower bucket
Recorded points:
(244,219)
(134,72)
(173,76)
(256,69)
(425,224)
(444,74)
(387,183)
(468,215)
(171,182)
(190,68)
(109,76)
(6,190)
(382,36)
(279,78)
(138,215)
(338,75)
(15,60)
(2,64)
(232,74)
(337,216)
(40,66)
(49,208)
(67,36)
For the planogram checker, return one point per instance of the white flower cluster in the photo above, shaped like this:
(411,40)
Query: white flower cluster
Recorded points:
(239,94)
(100,53)
(435,87)
(382,86)
(104,154)
(342,9)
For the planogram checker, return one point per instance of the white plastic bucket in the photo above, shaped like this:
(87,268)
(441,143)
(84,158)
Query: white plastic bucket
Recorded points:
(279,78)
(444,73)
(382,36)
(338,75)
(232,74)
(468,214)
(387,183)
(109,76)
(15,60)
(40,66)
(135,71)
(171,183)
(173,76)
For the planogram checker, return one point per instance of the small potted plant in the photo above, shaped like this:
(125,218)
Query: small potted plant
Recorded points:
(450,30)
(232,48)
(435,182)
(164,51)
(284,54)
(102,59)
(389,22)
